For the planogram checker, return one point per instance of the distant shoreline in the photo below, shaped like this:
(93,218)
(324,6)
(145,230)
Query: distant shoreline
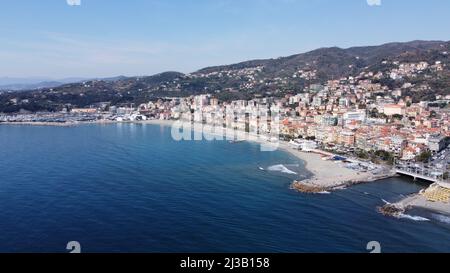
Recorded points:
(55,124)
(67,124)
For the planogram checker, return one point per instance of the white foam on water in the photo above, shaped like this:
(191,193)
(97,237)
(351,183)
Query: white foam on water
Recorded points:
(386,202)
(280,168)
(442,218)
(324,192)
(414,218)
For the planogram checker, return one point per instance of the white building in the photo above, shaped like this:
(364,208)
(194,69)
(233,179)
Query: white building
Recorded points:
(357,115)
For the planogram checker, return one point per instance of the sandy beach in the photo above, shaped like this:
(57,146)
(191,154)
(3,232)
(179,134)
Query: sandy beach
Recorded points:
(327,175)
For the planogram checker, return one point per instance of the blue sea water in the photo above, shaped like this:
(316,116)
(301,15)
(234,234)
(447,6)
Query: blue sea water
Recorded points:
(131,188)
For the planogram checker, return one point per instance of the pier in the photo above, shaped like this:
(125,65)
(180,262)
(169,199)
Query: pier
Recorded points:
(416,175)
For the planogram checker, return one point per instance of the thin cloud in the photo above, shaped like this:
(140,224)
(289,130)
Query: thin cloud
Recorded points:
(374,2)
(74,2)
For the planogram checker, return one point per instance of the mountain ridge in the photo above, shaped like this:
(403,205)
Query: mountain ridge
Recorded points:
(273,77)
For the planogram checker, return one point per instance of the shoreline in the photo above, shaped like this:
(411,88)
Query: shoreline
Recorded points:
(79,123)
(31,123)
(326,175)
(57,124)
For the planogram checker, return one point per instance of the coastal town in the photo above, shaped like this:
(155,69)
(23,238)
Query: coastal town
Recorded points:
(376,131)
(225,135)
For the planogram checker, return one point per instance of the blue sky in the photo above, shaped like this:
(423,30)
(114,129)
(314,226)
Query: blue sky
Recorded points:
(101,38)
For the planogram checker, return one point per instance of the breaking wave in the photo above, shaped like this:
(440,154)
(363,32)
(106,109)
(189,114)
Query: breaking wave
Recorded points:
(414,218)
(280,168)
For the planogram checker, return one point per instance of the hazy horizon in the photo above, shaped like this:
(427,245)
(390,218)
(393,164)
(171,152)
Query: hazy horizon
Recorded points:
(38,79)
(91,39)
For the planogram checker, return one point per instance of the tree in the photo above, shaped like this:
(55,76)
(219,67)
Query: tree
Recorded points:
(385,156)
(374,113)
(424,156)
(362,154)
(397,117)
